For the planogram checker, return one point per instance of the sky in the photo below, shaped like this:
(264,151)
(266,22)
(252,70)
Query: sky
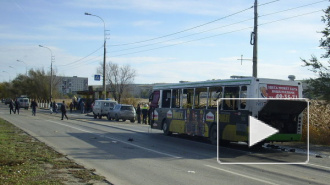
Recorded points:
(165,41)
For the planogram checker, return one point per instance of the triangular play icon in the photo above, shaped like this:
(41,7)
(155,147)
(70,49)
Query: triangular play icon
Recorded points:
(259,131)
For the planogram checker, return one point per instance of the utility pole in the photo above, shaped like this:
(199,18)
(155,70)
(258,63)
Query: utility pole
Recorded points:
(254,37)
(104,56)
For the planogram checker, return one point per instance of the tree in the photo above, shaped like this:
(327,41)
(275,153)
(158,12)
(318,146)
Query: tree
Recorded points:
(118,78)
(320,87)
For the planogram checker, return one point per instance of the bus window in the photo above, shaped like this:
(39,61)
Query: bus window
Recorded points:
(176,95)
(154,99)
(187,98)
(166,99)
(200,98)
(243,94)
(231,92)
(215,93)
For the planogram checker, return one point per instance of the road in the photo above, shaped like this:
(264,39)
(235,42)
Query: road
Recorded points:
(152,158)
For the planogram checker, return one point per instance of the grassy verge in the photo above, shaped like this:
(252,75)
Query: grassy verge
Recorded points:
(24,160)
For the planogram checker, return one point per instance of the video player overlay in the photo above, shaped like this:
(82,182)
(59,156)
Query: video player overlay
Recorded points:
(259,130)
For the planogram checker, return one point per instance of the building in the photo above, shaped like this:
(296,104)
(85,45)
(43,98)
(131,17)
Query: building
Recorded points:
(72,85)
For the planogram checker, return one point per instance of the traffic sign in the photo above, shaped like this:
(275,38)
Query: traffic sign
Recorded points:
(97,77)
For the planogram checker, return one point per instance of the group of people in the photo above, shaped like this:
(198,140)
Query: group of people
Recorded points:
(15,104)
(145,111)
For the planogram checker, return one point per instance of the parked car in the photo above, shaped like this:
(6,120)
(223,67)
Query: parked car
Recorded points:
(7,101)
(123,112)
(102,107)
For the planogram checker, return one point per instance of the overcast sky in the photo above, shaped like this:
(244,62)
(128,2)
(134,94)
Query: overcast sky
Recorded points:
(163,40)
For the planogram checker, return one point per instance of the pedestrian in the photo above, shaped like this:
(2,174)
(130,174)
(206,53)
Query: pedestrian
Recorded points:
(34,106)
(144,113)
(55,107)
(17,106)
(51,107)
(138,113)
(71,107)
(149,115)
(82,107)
(63,110)
(11,106)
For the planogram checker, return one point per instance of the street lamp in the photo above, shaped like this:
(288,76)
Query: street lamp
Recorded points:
(51,70)
(8,74)
(104,59)
(25,65)
(14,69)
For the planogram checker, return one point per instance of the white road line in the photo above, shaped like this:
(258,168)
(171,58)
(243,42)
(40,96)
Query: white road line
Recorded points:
(235,173)
(319,166)
(101,135)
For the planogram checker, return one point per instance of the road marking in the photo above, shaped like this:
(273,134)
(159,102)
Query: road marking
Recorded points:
(101,135)
(235,173)
(318,165)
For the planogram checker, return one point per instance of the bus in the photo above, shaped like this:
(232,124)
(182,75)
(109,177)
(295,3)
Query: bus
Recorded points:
(191,108)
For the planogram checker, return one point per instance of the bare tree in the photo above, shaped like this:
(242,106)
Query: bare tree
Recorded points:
(118,78)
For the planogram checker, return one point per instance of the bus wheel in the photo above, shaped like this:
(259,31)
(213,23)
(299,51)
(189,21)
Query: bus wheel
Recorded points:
(214,135)
(100,116)
(108,116)
(116,117)
(166,129)
(95,116)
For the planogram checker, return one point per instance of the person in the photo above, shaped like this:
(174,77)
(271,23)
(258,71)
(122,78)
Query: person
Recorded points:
(138,113)
(11,106)
(144,113)
(55,107)
(17,106)
(63,110)
(82,107)
(71,107)
(51,107)
(34,106)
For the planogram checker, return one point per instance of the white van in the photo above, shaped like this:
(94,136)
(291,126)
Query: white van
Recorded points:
(24,102)
(102,107)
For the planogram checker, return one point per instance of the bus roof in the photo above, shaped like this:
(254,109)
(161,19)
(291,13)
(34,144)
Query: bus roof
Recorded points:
(208,83)
(225,82)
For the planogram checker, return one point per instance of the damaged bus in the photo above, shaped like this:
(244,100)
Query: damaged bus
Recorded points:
(191,108)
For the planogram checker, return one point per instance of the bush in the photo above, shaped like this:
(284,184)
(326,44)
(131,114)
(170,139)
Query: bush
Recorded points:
(319,123)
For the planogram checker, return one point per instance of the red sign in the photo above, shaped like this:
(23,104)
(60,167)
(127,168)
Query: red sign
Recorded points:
(278,91)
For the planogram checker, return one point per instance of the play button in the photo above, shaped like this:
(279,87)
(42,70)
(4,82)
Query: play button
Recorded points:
(259,131)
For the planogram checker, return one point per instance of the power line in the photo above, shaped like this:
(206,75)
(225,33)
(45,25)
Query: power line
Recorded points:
(161,42)
(214,35)
(184,29)
(82,58)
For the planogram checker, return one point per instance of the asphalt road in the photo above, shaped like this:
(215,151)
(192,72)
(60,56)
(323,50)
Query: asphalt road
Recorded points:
(152,158)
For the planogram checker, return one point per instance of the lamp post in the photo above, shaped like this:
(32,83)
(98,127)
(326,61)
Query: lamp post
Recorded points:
(14,69)
(8,74)
(104,57)
(25,65)
(51,70)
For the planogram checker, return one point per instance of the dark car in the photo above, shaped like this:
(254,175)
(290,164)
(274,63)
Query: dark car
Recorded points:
(123,112)
(7,101)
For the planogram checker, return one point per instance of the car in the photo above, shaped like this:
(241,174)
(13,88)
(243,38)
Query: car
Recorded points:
(7,101)
(123,112)
(102,108)
(24,102)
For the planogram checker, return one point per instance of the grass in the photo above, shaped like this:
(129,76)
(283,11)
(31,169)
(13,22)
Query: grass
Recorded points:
(24,160)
